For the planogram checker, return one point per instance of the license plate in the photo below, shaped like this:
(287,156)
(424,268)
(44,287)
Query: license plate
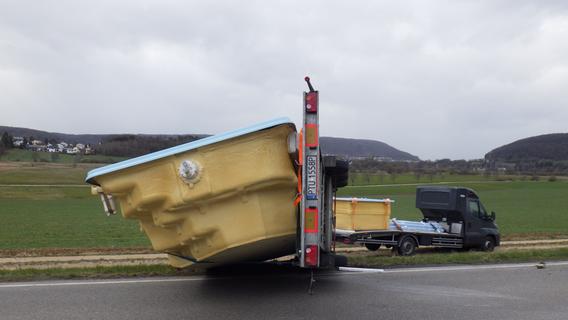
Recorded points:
(311,178)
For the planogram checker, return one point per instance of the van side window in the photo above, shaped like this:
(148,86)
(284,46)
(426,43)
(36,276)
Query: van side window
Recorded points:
(473,207)
(482,211)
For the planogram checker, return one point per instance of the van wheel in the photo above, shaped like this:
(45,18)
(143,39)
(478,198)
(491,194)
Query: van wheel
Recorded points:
(407,246)
(488,244)
(372,246)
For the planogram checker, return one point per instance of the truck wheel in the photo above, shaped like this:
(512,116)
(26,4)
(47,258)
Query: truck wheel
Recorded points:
(488,244)
(372,246)
(340,261)
(407,246)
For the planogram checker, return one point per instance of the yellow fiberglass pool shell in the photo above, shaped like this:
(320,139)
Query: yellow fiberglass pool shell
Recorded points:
(223,199)
(362,214)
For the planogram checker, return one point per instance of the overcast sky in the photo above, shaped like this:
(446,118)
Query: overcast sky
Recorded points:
(438,79)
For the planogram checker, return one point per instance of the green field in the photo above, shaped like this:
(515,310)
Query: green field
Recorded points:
(66,215)
(63,222)
(60,215)
(524,208)
(360,179)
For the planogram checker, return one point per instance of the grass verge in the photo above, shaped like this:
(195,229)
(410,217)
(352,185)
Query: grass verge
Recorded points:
(370,260)
(90,273)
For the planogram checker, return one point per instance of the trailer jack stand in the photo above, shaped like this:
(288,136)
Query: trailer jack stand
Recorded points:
(107,200)
(312,281)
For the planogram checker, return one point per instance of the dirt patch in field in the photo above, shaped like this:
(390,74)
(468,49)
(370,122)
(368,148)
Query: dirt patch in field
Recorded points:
(13,165)
(52,252)
(83,261)
(534,236)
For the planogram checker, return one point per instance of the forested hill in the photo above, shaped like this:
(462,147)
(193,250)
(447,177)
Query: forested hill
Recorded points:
(552,147)
(360,148)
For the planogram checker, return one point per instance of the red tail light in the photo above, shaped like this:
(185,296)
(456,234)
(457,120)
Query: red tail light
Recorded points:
(312,102)
(312,256)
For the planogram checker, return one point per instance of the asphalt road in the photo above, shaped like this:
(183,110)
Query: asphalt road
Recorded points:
(489,292)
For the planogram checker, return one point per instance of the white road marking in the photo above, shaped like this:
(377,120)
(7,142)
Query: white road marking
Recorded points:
(365,270)
(477,267)
(105,282)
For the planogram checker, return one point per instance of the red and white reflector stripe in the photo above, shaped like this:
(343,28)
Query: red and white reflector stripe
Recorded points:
(311,220)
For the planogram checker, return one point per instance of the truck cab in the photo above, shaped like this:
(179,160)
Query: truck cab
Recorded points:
(460,211)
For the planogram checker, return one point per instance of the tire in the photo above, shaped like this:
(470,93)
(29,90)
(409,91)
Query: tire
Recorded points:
(372,246)
(340,261)
(339,173)
(407,246)
(488,244)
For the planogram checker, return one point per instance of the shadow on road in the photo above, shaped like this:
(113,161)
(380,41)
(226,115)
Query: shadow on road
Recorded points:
(263,281)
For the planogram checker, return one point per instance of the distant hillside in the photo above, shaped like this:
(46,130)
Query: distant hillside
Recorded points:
(85,138)
(130,145)
(360,148)
(553,147)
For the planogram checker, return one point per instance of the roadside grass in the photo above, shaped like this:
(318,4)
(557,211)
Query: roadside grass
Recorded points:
(90,272)
(384,259)
(537,208)
(20,155)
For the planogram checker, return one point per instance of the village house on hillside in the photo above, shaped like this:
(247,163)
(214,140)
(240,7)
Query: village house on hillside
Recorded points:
(44,146)
(17,142)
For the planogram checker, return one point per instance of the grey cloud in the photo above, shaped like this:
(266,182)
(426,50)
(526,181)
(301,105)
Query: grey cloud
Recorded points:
(437,79)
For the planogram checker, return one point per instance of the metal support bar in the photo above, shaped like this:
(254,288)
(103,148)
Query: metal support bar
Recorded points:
(312,197)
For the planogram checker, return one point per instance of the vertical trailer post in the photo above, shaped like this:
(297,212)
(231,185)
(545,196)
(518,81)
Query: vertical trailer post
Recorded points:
(311,198)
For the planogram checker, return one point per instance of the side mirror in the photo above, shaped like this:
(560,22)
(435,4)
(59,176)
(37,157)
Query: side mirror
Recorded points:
(492,215)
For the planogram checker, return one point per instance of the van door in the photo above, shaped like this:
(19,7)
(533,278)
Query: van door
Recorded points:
(473,223)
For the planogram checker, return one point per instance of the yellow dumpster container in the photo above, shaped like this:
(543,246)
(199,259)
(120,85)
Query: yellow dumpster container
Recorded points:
(223,199)
(362,214)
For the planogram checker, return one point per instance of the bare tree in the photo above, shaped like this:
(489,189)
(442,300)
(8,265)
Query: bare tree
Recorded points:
(393,177)
(417,175)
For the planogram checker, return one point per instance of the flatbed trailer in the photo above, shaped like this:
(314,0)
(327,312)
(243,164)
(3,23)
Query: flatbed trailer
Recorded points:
(453,218)
(405,242)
